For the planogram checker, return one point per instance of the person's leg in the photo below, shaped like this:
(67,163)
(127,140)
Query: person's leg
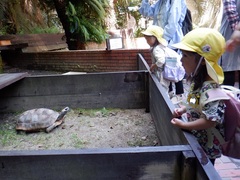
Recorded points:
(229,78)
(170,87)
(170,90)
(179,88)
(179,93)
(212,161)
(238,79)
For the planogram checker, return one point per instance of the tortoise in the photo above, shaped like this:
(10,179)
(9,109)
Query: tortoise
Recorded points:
(40,119)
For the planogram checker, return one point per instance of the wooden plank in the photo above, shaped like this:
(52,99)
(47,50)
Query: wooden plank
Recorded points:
(96,90)
(131,100)
(142,65)
(13,46)
(39,42)
(10,78)
(189,166)
(161,110)
(204,166)
(116,163)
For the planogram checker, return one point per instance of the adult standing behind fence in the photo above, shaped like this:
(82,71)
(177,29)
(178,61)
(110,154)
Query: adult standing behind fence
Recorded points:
(234,41)
(169,15)
(230,61)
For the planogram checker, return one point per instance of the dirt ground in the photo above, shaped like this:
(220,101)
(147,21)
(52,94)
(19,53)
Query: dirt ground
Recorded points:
(101,128)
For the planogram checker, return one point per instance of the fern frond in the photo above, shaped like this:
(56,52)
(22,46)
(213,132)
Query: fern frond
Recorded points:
(72,9)
(97,7)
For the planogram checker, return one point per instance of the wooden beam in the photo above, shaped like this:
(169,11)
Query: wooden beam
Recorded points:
(9,78)
(13,46)
(95,90)
(113,163)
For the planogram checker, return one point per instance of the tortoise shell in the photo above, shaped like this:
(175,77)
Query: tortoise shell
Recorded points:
(40,119)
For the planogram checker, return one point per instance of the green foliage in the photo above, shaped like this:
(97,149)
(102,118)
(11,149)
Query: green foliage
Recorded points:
(138,32)
(7,134)
(93,112)
(122,13)
(73,18)
(87,19)
(27,17)
(136,143)
(49,30)
(3,30)
(77,142)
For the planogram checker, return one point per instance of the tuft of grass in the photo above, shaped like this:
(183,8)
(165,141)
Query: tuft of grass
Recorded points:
(77,142)
(94,112)
(137,143)
(7,134)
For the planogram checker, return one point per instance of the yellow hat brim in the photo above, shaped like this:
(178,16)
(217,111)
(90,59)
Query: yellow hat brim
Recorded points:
(215,72)
(182,46)
(157,32)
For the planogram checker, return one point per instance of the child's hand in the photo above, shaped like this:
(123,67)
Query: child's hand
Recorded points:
(232,43)
(153,67)
(179,111)
(177,122)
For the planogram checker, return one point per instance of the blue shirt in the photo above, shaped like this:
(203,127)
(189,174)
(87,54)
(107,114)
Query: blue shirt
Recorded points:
(169,15)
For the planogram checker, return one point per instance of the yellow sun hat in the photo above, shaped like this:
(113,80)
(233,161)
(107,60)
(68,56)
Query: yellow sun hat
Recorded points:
(156,31)
(208,43)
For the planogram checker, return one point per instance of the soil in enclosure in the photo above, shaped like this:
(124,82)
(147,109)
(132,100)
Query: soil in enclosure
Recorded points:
(102,128)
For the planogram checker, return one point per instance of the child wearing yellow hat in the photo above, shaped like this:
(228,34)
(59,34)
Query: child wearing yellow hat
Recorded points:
(201,48)
(159,52)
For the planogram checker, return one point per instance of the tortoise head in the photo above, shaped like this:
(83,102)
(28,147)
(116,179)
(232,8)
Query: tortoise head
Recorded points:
(63,113)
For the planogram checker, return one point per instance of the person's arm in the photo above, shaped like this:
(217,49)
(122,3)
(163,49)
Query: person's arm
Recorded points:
(212,116)
(159,56)
(198,124)
(176,14)
(234,41)
(231,12)
(146,9)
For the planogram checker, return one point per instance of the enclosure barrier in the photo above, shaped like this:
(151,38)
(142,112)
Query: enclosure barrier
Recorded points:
(178,157)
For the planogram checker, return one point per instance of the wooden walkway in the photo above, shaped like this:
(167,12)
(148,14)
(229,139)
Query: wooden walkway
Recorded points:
(13,46)
(9,78)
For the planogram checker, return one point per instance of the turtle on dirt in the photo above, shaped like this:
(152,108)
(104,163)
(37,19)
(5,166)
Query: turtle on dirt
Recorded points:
(40,119)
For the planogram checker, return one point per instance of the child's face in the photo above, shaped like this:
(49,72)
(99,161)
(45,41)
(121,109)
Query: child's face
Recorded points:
(150,40)
(189,62)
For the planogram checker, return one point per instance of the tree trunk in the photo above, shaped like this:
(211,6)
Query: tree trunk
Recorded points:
(71,39)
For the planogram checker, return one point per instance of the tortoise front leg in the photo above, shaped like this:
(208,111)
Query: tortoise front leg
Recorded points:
(50,128)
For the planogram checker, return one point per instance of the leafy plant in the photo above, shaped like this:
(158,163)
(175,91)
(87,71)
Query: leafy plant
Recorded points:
(123,12)
(87,20)
(27,17)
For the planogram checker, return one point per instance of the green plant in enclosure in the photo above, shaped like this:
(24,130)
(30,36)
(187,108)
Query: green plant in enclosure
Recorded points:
(7,134)
(77,142)
(93,112)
